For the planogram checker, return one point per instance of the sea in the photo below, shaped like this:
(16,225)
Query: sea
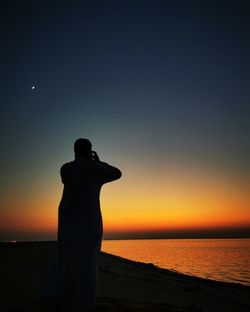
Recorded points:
(225,260)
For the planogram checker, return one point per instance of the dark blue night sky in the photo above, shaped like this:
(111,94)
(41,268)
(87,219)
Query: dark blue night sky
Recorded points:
(151,83)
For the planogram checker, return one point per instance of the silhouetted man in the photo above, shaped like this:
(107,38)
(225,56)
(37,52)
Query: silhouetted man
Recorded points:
(74,279)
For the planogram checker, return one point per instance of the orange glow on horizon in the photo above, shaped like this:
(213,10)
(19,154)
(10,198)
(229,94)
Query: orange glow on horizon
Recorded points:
(172,203)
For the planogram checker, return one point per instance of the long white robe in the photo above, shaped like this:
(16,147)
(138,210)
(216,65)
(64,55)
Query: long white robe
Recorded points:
(73,280)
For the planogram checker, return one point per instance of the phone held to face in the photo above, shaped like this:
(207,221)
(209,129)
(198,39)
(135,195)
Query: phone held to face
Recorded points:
(95,157)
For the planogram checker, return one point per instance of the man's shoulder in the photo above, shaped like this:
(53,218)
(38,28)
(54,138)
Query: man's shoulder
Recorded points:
(92,165)
(83,164)
(67,165)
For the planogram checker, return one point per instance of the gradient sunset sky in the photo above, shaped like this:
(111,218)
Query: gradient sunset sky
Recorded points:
(161,88)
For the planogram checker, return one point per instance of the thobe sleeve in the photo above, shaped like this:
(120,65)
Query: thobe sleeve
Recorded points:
(107,173)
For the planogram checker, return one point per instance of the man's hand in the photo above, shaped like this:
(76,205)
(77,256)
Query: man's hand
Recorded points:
(95,156)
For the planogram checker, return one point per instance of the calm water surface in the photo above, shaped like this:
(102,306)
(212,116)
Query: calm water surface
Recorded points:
(218,259)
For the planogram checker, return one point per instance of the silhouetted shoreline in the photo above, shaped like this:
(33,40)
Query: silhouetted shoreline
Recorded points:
(125,285)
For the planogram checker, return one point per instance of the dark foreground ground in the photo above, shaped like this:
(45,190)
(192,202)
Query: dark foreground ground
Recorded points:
(125,286)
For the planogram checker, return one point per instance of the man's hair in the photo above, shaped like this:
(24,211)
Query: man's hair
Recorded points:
(82,147)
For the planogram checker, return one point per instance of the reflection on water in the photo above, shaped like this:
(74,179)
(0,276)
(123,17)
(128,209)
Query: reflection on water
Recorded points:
(219,259)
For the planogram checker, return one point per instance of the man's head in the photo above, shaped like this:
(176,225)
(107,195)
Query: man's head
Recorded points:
(83,147)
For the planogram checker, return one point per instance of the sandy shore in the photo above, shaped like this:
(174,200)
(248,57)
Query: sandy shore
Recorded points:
(124,285)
